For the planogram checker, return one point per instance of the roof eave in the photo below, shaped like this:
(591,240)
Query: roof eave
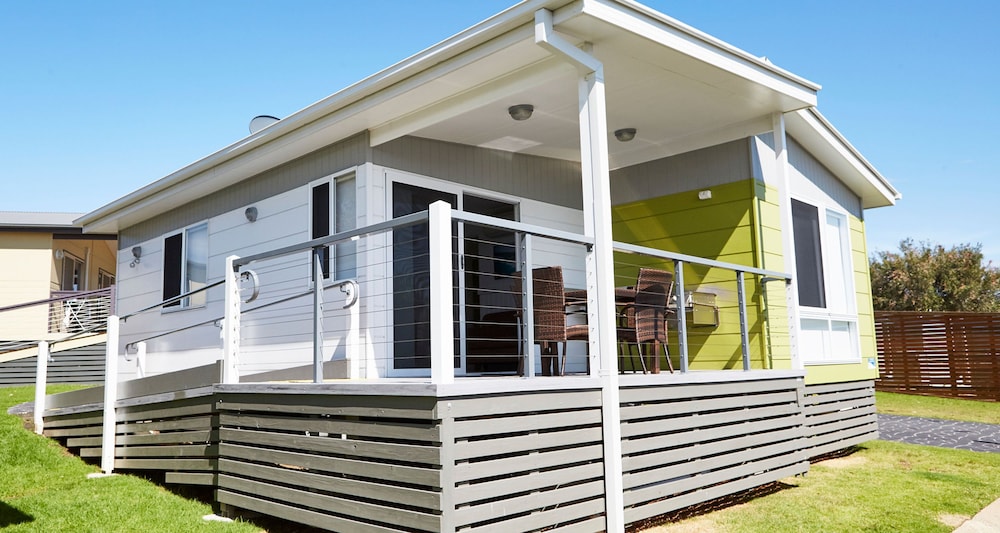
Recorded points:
(810,126)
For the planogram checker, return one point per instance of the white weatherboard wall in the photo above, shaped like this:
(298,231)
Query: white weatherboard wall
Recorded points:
(281,336)
(276,338)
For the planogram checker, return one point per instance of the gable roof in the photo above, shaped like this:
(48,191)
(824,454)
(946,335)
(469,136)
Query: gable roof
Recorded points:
(717,93)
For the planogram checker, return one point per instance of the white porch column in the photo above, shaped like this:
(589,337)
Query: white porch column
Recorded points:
(600,260)
(41,377)
(787,238)
(442,323)
(110,423)
(231,325)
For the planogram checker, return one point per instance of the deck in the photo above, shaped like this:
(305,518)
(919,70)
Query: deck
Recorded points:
(479,454)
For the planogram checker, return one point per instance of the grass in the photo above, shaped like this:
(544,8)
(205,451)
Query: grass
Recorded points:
(882,487)
(43,488)
(933,407)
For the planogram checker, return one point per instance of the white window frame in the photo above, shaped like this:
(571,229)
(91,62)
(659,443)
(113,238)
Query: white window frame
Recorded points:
(848,315)
(185,303)
(459,190)
(331,180)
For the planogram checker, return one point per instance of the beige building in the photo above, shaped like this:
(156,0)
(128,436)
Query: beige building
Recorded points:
(44,256)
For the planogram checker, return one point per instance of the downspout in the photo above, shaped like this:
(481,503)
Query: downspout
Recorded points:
(596,177)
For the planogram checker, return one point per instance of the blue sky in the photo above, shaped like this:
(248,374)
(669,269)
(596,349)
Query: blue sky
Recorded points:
(101,98)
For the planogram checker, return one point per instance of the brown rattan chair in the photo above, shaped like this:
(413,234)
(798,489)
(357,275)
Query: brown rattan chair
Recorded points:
(549,314)
(644,322)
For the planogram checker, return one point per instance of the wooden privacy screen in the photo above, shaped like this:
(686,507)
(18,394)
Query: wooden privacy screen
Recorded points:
(941,354)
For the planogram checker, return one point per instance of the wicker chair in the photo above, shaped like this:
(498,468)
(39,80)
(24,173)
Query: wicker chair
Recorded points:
(645,321)
(549,313)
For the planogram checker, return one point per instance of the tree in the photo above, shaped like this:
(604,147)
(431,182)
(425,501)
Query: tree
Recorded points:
(928,277)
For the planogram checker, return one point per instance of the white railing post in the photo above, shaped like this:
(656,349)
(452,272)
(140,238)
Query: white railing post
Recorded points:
(231,325)
(442,323)
(353,338)
(41,377)
(109,427)
(140,359)
(317,263)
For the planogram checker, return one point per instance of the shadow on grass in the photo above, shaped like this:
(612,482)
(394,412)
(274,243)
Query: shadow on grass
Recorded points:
(731,499)
(12,516)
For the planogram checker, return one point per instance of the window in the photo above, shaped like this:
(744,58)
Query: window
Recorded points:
(185,265)
(105,279)
(829,325)
(344,217)
(71,276)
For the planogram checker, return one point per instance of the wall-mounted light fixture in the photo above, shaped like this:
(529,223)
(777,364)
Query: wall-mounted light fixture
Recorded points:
(251,214)
(136,254)
(59,253)
(521,111)
(625,134)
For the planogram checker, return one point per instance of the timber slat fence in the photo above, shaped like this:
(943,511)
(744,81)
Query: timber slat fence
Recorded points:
(948,354)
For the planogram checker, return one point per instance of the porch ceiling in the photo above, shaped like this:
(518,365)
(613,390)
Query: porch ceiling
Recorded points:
(677,102)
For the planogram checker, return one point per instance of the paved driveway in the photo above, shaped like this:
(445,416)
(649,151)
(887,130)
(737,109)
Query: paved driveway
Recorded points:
(943,433)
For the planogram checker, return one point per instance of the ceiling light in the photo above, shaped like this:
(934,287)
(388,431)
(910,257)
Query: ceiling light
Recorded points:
(625,134)
(521,111)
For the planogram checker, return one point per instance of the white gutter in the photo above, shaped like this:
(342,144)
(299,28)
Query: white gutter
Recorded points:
(596,181)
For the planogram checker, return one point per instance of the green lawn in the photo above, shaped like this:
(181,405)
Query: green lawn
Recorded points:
(933,407)
(42,488)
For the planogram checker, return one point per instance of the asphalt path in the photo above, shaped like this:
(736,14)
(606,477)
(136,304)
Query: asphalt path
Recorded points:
(973,436)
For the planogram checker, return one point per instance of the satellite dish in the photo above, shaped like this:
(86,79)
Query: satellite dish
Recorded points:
(260,122)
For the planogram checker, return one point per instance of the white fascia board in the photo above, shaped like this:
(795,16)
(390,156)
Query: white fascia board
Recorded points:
(106,218)
(813,130)
(674,34)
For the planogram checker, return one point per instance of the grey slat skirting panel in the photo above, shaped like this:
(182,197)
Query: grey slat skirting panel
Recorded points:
(333,461)
(526,461)
(839,415)
(81,366)
(684,445)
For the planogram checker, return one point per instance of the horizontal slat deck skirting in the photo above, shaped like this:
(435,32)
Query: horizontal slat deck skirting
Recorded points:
(947,354)
(526,461)
(79,366)
(336,457)
(839,415)
(504,460)
(745,435)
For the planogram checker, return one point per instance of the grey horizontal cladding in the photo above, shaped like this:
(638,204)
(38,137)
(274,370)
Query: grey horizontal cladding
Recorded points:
(190,478)
(553,181)
(711,492)
(318,481)
(360,428)
(707,167)
(686,444)
(551,519)
(408,407)
(821,179)
(424,475)
(298,514)
(530,503)
(84,365)
(412,453)
(183,380)
(529,442)
(405,519)
(345,154)
(532,481)
(839,415)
